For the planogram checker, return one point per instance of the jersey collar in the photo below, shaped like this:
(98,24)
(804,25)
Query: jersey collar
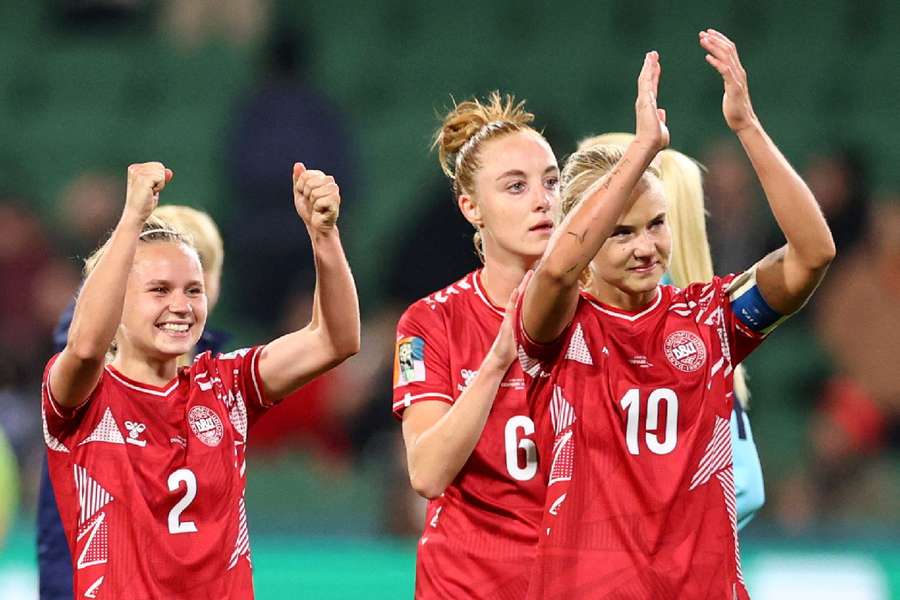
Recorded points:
(479,291)
(145,388)
(624,314)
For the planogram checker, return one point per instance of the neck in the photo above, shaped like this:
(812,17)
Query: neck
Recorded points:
(146,369)
(500,278)
(618,298)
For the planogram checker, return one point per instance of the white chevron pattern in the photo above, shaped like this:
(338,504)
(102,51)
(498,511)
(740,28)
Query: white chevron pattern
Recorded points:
(91,495)
(717,455)
(578,350)
(726,478)
(242,543)
(562,414)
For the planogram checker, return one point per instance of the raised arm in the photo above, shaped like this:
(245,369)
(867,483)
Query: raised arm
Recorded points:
(789,275)
(551,298)
(98,310)
(332,335)
(440,438)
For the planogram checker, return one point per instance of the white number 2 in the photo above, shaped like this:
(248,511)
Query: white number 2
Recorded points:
(176,525)
(631,402)
(513,444)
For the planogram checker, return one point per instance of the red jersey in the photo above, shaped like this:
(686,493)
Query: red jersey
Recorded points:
(480,534)
(150,481)
(632,413)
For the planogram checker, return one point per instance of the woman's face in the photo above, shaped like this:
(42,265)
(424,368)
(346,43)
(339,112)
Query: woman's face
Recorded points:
(165,303)
(636,255)
(516,188)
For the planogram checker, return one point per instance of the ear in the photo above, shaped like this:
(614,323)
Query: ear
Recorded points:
(470,210)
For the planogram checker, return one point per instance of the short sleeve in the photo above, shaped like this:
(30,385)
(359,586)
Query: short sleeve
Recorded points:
(60,422)
(239,373)
(536,357)
(421,359)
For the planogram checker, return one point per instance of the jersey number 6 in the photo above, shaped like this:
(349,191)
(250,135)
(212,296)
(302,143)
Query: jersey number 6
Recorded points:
(513,443)
(631,402)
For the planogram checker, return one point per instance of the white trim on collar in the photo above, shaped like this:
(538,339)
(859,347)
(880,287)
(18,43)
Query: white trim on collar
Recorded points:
(480,294)
(163,394)
(626,317)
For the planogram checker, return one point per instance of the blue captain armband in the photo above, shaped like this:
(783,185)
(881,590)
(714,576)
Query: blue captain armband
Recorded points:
(750,307)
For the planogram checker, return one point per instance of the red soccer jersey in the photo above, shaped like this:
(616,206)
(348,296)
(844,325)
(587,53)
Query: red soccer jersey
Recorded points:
(632,413)
(150,481)
(480,534)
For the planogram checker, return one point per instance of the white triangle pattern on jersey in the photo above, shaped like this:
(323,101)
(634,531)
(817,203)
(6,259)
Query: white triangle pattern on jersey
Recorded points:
(107,430)
(91,495)
(242,543)
(96,548)
(718,453)
(91,592)
(49,439)
(238,413)
(578,350)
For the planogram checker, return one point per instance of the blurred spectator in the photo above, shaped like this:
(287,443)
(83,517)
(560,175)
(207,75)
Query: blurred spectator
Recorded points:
(283,121)
(237,21)
(88,209)
(735,208)
(858,322)
(839,180)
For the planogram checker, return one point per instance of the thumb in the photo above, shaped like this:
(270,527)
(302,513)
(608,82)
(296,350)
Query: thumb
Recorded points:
(169,175)
(299,168)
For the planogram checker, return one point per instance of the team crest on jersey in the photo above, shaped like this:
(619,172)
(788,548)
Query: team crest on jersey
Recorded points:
(685,350)
(409,361)
(206,425)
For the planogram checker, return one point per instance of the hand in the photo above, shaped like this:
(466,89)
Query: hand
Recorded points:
(723,56)
(145,182)
(504,350)
(317,198)
(651,128)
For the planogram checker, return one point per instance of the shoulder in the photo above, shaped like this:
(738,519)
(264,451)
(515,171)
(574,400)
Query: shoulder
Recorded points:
(443,304)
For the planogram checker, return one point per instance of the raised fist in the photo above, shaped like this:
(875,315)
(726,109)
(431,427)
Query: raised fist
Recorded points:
(145,182)
(317,198)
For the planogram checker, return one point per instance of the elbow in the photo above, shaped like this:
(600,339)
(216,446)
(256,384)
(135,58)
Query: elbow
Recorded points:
(427,487)
(345,349)
(86,351)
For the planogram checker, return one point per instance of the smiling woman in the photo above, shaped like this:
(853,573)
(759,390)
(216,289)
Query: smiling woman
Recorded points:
(147,459)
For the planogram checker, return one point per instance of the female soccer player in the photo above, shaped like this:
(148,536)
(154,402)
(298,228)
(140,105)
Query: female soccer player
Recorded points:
(54,560)
(148,460)
(628,381)
(691,262)
(457,388)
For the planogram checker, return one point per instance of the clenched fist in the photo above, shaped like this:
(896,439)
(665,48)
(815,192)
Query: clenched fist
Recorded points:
(145,182)
(317,198)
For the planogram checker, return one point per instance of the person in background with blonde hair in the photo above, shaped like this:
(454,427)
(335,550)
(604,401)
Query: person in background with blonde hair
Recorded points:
(457,387)
(691,261)
(148,459)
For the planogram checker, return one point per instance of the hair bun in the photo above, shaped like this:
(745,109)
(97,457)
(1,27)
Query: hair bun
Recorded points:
(467,118)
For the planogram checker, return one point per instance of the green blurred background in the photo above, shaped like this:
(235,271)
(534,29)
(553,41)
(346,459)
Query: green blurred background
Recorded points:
(209,87)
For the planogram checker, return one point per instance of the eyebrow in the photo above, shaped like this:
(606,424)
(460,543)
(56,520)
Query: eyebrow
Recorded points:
(520,173)
(169,283)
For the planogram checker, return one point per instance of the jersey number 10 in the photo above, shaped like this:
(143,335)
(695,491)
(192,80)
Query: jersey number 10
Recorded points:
(631,402)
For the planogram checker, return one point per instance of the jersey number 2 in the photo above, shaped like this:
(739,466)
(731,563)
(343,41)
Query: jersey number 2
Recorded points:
(631,402)
(186,476)
(513,443)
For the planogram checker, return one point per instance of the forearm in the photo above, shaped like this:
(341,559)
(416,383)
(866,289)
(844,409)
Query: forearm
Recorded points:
(436,456)
(790,199)
(98,309)
(336,305)
(553,291)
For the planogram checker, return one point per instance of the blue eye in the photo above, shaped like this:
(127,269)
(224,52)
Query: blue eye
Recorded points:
(516,187)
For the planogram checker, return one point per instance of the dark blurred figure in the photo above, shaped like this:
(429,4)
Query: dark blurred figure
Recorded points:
(839,180)
(735,208)
(282,121)
(87,210)
(853,434)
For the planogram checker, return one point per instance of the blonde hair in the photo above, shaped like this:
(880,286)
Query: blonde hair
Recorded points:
(691,259)
(203,231)
(463,131)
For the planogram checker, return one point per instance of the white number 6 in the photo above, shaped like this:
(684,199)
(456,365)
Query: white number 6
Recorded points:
(514,444)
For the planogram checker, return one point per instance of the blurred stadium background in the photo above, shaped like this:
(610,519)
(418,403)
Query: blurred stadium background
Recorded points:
(229,93)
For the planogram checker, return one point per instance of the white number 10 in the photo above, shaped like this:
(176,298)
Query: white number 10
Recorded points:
(631,402)
(176,525)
